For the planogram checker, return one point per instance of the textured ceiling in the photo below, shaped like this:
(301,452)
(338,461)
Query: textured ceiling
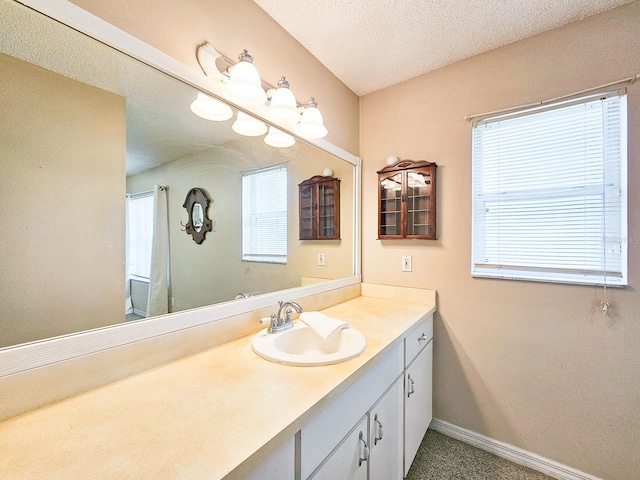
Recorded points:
(372,44)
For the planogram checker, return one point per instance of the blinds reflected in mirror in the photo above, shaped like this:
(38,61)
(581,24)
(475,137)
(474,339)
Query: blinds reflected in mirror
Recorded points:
(264,215)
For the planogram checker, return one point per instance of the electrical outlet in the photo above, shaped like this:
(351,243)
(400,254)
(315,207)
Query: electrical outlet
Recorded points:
(321,259)
(406,263)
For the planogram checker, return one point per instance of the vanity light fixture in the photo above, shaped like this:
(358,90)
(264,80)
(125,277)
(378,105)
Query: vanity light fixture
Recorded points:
(278,138)
(248,126)
(244,84)
(311,123)
(283,107)
(211,109)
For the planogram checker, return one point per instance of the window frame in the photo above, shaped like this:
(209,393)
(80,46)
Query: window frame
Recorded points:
(609,244)
(133,198)
(275,253)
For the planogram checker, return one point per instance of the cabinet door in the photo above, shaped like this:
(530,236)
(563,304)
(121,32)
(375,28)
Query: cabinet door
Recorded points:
(308,204)
(349,461)
(417,403)
(390,221)
(328,210)
(420,215)
(385,433)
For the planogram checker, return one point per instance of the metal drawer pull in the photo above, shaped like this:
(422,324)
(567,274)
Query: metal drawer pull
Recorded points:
(365,451)
(380,432)
(422,337)
(412,388)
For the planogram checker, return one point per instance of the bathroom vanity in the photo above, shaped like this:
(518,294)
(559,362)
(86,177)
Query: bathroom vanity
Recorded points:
(227,413)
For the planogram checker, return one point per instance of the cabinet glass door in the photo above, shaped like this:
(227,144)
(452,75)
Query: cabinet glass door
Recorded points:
(391,205)
(326,211)
(418,204)
(307,203)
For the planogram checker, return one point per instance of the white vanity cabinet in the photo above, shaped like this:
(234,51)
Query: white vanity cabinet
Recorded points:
(331,429)
(418,403)
(373,430)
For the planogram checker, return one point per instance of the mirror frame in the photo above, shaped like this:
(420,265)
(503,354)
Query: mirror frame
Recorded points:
(27,356)
(198,196)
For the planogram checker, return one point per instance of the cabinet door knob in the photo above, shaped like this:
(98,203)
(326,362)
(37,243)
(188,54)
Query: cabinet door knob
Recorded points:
(411,386)
(422,337)
(364,456)
(379,431)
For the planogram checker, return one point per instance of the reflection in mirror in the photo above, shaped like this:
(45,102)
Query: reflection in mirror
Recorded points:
(79,121)
(197,205)
(196,215)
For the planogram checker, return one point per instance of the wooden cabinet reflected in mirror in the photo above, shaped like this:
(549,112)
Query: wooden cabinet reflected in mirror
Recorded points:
(407,200)
(320,208)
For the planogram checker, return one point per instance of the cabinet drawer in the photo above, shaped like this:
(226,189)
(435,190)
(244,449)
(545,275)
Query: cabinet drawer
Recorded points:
(417,338)
(330,425)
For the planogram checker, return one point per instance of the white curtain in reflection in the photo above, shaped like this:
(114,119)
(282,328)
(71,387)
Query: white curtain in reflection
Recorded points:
(128,306)
(159,280)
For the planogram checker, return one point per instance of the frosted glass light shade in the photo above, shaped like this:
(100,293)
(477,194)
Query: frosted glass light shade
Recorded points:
(311,123)
(245,85)
(209,108)
(248,126)
(279,139)
(284,108)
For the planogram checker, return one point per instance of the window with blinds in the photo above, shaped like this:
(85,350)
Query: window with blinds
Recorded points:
(549,193)
(264,215)
(140,234)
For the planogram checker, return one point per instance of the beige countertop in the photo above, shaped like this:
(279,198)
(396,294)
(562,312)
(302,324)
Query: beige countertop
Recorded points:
(210,415)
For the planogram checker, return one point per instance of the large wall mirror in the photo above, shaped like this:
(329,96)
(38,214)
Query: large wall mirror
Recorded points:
(84,129)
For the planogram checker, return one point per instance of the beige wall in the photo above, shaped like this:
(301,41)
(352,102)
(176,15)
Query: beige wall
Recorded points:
(62,143)
(531,364)
(178,28)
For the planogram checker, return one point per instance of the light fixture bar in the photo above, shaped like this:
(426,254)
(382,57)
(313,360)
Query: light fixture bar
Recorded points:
(287,110)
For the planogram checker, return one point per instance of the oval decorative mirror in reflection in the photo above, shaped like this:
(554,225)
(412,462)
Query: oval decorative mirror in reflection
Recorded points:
(197,204)
(197,216)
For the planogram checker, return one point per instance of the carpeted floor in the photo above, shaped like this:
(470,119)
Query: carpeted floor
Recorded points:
(443,458)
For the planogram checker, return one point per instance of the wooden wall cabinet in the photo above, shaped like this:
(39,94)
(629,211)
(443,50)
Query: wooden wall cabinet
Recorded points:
(320,208)
(407,200)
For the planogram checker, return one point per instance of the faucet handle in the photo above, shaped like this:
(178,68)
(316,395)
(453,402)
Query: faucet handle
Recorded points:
(287,314)
(270,319)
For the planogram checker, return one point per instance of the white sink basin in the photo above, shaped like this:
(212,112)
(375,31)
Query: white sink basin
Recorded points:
(301,346)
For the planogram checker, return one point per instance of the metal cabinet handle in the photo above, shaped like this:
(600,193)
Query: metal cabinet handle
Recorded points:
(364,456)
(422,337)
(411,388)
(379,431)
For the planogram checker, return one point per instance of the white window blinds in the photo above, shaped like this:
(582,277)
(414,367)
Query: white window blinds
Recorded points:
(264,215)
(549,193)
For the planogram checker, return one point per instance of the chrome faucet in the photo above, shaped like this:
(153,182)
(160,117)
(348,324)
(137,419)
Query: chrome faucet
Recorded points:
(242,295)
(282,320)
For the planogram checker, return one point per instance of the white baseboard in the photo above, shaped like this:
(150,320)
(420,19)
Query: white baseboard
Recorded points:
(514,454)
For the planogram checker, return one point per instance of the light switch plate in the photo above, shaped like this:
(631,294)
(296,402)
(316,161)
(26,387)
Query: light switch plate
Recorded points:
(406,263)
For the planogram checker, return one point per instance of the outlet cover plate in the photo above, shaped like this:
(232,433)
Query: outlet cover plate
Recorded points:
(406,263)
